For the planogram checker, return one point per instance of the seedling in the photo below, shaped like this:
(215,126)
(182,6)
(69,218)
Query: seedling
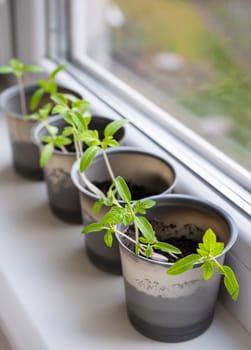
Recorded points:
(95,144)
(78,117)
(206,255)
(18,69)
(127,213)
(46,86)
(76,113)
(53,139)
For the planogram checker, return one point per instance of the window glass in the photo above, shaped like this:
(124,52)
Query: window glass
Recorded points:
(191,57)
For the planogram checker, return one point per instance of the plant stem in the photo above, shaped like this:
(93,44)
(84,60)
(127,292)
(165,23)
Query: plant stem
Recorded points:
(87,182)
(154,256)
(22,96)
(94,189)
(136,233)
(217,264)
(76,148)
(108,165)
(63,149)
(126,236)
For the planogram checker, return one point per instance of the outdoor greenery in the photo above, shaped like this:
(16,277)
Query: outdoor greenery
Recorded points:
(211,39)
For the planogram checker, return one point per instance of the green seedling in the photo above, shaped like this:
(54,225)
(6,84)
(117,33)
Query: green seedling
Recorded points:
(77,116)
(51,141)
(207,253)
(18,69)
(128,213)
(46,86)
(95,144)
(76,113)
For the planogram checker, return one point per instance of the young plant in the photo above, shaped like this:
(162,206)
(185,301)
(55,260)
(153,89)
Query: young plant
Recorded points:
(53,140)
(18,69)
(76,114)
(207,253)
(78,118)
(46,86)
(127,213)
(95,143)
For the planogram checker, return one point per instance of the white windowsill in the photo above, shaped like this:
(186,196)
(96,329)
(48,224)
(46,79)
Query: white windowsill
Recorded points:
(51,297)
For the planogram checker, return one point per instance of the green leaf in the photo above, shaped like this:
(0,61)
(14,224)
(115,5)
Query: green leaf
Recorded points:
(32,68)
(146,228)
(97,206)
(16,63)
(218,249)
(79,121)
(52,129)
(68,130)
(87,157)
(45,111)
(59,68)
(67,117)
(108,238)
(5,70)
(59,99)
(123,189)
(17,66)
(47,139)
(86,121)
(71,97)
(128,219)
(143,240)
(59,109)
(148,203)
(109,143)
(46,154)
(81,105)
(138,208)
(44,85)
(90,137)
(60,141)
(166,247)
(114,216)
(33,116)
(51,87)
(183,264)
(209,240)
(137,248)
(148,251)
(230,282)
(201,251)
(95,227)
(208,270)
(35,98)
(114,126)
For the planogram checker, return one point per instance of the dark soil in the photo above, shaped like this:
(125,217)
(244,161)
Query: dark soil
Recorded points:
(185,244)
(137,191)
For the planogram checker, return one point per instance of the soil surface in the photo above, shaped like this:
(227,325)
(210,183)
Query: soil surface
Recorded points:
(185,244)
(137,191)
